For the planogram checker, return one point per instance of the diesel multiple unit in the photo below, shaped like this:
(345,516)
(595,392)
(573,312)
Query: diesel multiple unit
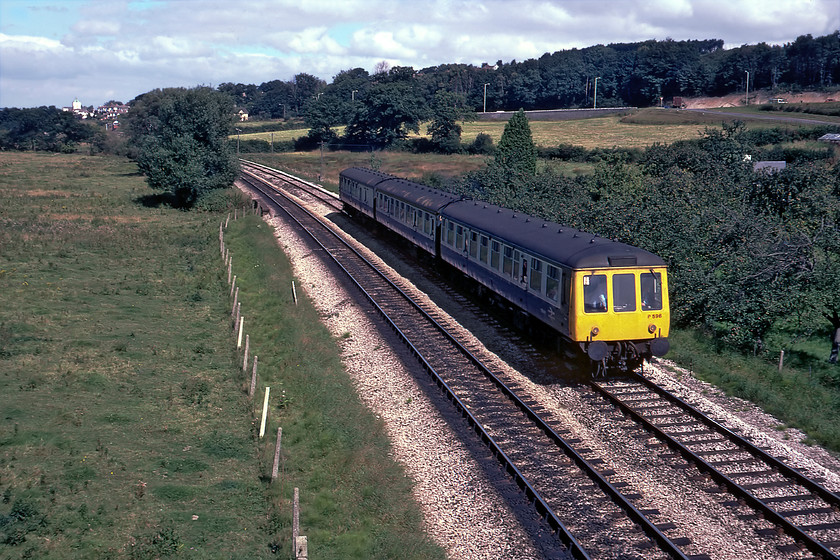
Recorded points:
(609,298)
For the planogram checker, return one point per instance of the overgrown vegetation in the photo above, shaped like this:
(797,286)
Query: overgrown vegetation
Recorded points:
(125,429)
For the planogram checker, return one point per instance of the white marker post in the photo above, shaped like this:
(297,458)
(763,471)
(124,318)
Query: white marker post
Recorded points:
(265,412)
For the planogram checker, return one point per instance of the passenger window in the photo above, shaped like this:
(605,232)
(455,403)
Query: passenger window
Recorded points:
(651,291)
(459,238)
(552,282)
(473,244)
(624,292)
(595,293)
(494,254)
(450,233)
(482,255)
(507,261)
(536,275)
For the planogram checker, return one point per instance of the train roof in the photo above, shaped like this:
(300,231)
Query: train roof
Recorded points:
(428,198)
(561,244)
(366,176)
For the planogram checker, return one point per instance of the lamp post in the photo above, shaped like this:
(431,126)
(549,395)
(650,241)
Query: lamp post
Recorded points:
(747,90)
(595,94)
(485,97)
(237,141)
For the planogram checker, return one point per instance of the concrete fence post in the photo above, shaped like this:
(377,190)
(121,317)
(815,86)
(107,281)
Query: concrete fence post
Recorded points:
(232,285)
(253,386)
(276,467)
(247,348)
(295,521)
(241,330)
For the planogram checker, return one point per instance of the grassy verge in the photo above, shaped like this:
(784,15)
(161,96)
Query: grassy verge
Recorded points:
(356,502)
(803,394)
(125,431)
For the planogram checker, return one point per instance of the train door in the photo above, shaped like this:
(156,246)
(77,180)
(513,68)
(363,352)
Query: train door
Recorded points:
(438,229)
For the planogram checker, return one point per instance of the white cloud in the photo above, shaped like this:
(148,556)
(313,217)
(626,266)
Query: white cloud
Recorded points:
(121,48)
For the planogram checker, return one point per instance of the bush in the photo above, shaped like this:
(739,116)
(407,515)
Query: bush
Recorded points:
(482,145)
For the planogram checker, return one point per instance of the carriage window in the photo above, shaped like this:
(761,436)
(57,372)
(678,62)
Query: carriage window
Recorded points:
(595,293)
(624,292)
(516,258)
(450,233)
(536,275)
(482,255)
(494,254)
(507,261)
(459,238)
(473,244)
(552,282)
(651,291)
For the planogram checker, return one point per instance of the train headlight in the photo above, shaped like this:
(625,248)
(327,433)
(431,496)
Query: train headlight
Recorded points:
(651,329)
(594,332)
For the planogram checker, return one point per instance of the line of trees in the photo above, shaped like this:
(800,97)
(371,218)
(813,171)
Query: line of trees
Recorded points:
(43,128)
(635,74)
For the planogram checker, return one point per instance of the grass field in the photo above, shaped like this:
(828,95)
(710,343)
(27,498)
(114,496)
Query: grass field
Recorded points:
(125,430)
(640,129)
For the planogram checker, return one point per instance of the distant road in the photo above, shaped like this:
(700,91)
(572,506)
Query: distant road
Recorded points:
(555,114)
(777,118)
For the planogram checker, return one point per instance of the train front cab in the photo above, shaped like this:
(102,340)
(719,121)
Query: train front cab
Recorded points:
(621,314)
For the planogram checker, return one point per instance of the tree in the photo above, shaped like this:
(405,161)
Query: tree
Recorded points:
(390,111)
(447,109)
(516,151)
(182,140)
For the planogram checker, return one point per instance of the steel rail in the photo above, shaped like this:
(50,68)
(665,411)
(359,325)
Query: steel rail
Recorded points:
(791,529)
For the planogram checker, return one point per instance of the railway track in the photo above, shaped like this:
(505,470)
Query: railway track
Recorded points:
(800,506)
(569,484)
(547,467)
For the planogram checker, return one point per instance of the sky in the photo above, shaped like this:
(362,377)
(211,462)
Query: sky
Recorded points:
(55,51)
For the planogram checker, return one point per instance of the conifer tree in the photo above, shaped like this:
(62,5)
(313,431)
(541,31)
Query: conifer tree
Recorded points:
(516,151)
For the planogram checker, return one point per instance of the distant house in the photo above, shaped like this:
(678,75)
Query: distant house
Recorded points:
(243,115)
(769,166)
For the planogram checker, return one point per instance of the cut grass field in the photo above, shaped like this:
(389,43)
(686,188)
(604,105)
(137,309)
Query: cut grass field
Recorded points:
(125,430)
